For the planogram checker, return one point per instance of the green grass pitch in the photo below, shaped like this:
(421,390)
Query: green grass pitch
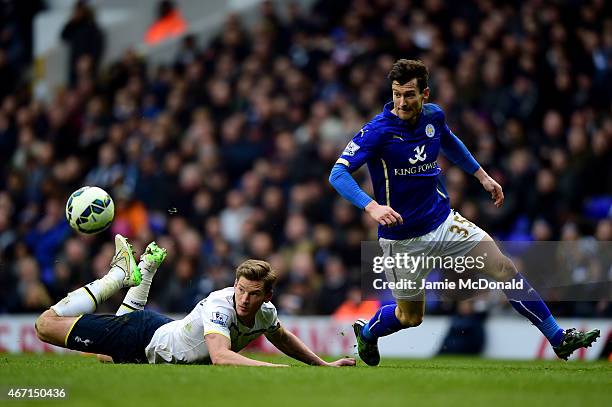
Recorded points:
(430,382)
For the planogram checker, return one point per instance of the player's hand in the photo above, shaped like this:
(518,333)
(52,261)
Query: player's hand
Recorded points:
(383,214)
(342,362)
(491,186)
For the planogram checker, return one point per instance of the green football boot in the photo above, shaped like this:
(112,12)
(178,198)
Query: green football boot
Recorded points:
(124,259)
(153,257)
(573,339)
(368,352)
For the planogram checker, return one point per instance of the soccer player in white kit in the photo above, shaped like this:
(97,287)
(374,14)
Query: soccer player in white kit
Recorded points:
(214,332)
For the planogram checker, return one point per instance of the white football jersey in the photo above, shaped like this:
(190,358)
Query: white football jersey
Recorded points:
(182,341)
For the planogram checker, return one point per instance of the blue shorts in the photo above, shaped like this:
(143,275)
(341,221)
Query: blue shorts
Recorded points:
(124,337)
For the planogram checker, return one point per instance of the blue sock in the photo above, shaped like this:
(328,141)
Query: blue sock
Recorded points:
(383,323)
(527,302)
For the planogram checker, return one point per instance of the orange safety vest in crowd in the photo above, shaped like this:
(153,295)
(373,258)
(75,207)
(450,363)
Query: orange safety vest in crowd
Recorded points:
(348,310)
(132,220)
(170,26)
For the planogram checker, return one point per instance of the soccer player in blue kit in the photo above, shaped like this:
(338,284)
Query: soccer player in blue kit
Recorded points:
(400,146)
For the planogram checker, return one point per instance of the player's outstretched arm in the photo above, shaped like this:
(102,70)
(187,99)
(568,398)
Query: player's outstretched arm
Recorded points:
(292,346)
(219,349)
(491,186)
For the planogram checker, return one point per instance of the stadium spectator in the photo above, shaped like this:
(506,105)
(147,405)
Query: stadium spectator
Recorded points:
(85,40)
(355,306)
(31,294)
(334,287)
(169,23)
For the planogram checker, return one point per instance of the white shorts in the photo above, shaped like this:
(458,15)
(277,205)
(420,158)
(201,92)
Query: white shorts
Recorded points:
(456,236)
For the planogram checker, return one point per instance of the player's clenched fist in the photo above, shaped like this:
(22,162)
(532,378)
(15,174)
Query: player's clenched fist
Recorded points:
(383,214)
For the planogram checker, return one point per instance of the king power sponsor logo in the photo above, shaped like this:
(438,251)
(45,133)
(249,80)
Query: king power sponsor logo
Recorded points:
(417,169)
(420,155)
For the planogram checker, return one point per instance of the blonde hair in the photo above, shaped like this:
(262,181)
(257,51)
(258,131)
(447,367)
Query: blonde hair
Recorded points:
(257,270)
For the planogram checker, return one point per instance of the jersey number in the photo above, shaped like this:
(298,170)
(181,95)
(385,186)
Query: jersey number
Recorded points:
(458,229)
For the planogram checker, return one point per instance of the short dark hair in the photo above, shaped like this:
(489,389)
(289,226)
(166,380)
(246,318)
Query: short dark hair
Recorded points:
(257,270)
(405,70)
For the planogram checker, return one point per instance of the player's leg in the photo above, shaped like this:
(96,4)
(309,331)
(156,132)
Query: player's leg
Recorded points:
(56,330)
(123,273)
(54,325)
(123,338)
(527,302)
(464,238)
(409,308)
(53,329)
(393,317)
(386,321)
(136,297)
(410,313)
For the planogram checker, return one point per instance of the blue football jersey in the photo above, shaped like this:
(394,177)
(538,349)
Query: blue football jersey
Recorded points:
(403,166)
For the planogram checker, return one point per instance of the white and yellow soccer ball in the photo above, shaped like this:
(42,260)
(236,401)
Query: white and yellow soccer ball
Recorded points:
(90,210)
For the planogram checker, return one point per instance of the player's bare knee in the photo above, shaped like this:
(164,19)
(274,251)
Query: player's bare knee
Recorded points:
(43,324)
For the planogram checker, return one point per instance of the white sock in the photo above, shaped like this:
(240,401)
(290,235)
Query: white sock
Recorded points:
(86,299)
(136,297)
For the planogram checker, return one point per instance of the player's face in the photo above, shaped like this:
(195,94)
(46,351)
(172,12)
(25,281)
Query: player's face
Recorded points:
(249,295)
(408,100)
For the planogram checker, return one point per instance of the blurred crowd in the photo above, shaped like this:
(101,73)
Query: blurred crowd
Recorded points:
(224,155)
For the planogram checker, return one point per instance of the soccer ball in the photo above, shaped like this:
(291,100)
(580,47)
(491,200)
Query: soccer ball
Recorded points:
(90,210)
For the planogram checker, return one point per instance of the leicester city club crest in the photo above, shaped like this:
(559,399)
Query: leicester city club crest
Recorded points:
(430,130)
